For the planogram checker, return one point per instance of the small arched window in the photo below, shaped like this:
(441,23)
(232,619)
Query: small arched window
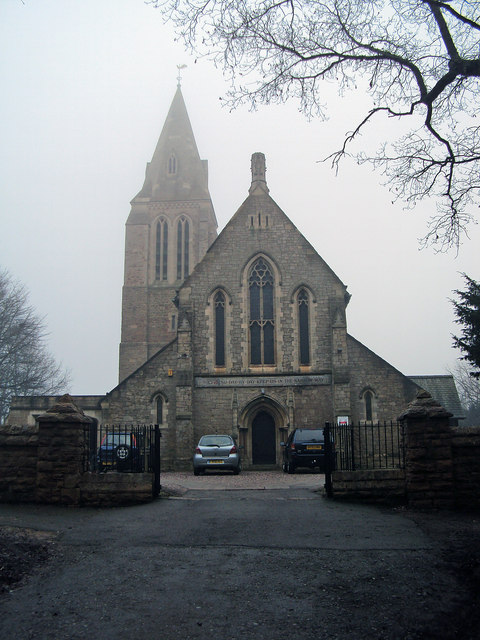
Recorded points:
(161,251)
(219,329)
(159,410)
(262,323)
(183,245)
(304,326)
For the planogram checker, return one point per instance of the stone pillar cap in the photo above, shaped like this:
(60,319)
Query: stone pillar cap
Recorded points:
(64,410)
(424,406)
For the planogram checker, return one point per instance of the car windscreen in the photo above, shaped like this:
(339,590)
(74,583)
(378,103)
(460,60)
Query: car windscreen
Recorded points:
(309,435)
(215,441)
(114,439)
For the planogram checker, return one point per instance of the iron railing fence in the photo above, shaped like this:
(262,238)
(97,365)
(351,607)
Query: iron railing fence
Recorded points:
(369,445)
(122,447)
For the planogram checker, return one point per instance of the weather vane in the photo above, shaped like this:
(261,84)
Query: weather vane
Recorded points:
(180,67)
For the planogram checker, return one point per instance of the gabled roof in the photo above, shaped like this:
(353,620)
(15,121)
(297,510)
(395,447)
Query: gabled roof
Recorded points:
(255,217)
(443,389)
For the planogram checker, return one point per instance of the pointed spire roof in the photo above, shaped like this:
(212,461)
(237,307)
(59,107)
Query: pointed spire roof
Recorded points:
(176,171)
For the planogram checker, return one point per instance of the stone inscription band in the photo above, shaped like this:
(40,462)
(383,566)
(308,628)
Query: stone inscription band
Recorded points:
(263,381)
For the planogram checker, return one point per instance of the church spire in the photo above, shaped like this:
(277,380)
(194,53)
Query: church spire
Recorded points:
(176,171)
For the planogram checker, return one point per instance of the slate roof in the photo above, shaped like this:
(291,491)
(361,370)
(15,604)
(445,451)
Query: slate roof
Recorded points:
(443,389)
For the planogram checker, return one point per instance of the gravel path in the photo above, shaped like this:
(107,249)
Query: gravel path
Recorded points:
(179,482)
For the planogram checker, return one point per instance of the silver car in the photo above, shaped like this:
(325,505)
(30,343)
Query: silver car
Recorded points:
(218,452)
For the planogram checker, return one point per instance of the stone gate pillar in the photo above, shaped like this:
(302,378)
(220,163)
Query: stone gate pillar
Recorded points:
(429,465)
(61,453)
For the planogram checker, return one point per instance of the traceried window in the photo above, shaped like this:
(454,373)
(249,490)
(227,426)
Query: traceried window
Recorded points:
(219,302)
(183,244)
(262,324)
(303,326)
(172,164)
(161,250)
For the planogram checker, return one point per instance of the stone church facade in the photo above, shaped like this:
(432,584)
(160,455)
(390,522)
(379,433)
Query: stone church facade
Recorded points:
(242,333)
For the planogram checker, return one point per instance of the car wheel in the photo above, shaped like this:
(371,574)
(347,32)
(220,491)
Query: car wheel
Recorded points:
(237,470)
(122,453)
(290,467)
(284,467)
(196,472)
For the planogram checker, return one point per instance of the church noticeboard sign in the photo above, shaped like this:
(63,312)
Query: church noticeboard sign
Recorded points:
(263,381)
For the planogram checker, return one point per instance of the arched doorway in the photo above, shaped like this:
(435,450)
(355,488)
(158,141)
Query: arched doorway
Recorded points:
(263,439)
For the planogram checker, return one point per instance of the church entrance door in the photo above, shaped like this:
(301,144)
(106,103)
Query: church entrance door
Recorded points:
(263,439)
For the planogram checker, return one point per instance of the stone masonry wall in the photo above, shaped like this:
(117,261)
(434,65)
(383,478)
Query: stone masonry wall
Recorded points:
(465,442)
(429,462)
(392,390)
(380,486)
(18,463)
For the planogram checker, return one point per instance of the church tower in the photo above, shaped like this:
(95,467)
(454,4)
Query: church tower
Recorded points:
(170,227)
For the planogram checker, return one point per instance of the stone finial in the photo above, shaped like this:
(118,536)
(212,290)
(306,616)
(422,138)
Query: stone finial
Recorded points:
(259,171)
(64,409)
(424,406)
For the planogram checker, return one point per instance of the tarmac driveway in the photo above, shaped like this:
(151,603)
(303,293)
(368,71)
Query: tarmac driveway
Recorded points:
(242,564)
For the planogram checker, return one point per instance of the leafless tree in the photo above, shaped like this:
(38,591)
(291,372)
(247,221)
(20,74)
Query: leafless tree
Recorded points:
(469,391)
(417,59)
(26,368)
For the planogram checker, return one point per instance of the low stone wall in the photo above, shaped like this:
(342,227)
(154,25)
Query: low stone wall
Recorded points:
(18,463)
(379,486)
(115,489)
(466,466)
(45,464)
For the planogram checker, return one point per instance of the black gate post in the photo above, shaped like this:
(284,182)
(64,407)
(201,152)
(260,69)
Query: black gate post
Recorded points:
(327,435)
(156,463)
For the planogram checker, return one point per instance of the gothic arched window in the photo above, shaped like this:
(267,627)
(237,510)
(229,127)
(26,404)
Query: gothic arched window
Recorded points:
(262,324)
(161,250)
(219,302)
(183,243)
(303,326)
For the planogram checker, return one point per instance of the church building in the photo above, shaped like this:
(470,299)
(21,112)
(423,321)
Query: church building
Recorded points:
(242,333)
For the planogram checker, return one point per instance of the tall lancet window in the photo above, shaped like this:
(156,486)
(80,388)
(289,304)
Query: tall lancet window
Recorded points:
(262,325)
(219,329)
(368,399)
(172,165)
(183,245)
(161,251)
(303,326)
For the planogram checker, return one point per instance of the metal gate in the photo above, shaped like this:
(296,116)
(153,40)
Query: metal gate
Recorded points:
(124,448)
(364,446)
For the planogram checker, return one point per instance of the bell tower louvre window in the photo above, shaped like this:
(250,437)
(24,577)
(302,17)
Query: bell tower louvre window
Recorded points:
(172,165)
(183,243)
(262,325)
(161,251)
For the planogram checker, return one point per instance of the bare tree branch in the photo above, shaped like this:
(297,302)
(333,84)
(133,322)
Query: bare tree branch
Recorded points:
(26,368)
(420,59)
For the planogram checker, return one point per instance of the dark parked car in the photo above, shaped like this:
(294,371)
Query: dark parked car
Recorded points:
(217,452)
(119,452)
(304,448)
